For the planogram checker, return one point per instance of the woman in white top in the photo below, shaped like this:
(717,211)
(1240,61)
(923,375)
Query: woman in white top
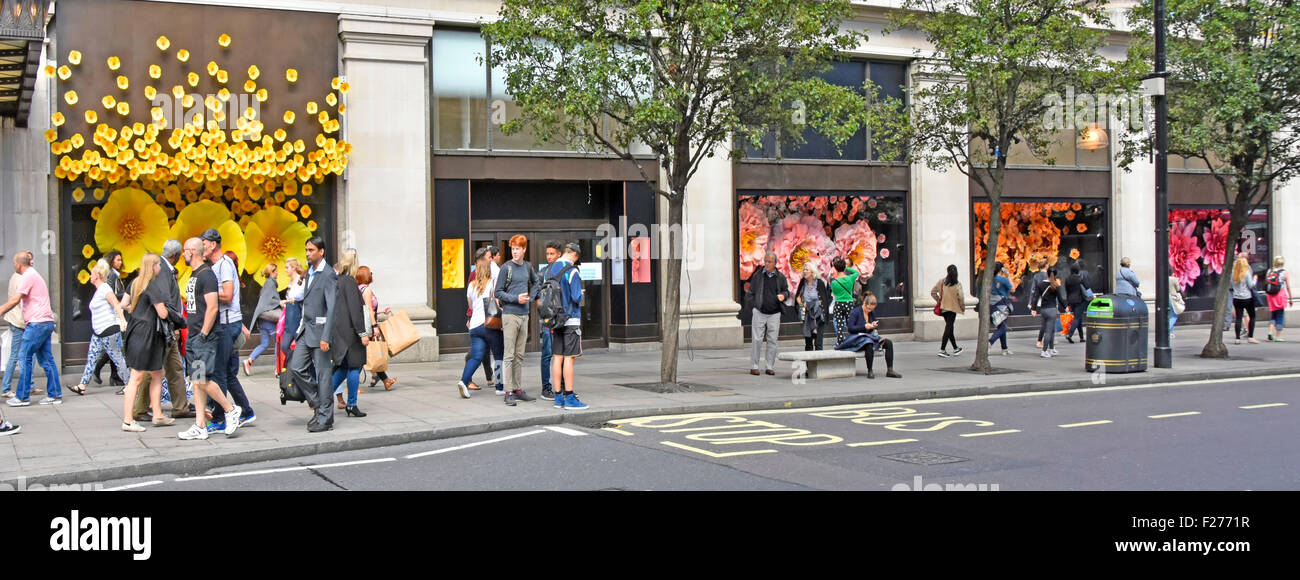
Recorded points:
(482,338)
(106,321)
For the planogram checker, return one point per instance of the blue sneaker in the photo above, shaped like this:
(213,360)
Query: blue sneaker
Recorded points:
(571,402)
(215,427)
(559,400)
(246,421)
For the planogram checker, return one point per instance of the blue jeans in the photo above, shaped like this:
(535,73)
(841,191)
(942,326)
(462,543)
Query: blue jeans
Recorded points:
(353,377)
(227,372)
(36,342)
(268,338)
(482,340)
(1173,318)
(15,346)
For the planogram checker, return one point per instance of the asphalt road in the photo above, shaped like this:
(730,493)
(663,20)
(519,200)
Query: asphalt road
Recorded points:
(1222,435)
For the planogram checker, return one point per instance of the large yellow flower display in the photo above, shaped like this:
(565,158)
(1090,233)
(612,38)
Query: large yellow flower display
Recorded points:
(201,215)
(274,235)
(133,224)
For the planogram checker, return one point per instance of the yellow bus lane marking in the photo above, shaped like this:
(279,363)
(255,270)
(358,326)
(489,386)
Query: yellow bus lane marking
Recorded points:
(990,433)
(1071,425)
(874,443)
(715,455)
(619,431)
(1264,406)
(1167,415)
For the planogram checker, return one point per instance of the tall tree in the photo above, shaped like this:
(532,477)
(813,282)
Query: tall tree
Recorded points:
(1234,103)
(681,77)
(997,76)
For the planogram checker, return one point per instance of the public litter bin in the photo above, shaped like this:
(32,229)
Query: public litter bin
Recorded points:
(1116,328)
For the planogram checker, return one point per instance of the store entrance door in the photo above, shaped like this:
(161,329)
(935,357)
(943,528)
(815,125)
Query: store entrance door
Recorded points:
(595,308)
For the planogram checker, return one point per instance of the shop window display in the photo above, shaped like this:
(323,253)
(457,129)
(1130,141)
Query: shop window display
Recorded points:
(1198,248)
(869,230)
(1065,233)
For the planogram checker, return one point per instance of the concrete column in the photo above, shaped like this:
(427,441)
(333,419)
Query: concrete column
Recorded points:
(1133,218)
(709,309)
(1284,210)
(386,194)
(940,231)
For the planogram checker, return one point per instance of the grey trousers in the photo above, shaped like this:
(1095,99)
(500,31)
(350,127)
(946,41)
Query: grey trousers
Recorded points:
(312,372)
(514,328)
(765,328)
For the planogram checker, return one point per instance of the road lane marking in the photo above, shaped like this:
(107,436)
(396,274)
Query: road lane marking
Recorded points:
(991,433)
(1264,405)
(1167,415)
(619,431)
(874,443)
(715,455)
(468,445)
(133,485)
(1067,426)
(285,469)
(566,431)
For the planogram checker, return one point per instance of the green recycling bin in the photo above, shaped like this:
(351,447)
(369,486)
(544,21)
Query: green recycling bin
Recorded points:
(1116,329)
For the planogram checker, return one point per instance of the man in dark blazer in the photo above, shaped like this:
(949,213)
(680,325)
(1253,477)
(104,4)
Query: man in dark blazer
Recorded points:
(173,364)
(311,365)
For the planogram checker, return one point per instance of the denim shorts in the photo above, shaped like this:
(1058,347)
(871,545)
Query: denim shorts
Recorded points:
(201,356)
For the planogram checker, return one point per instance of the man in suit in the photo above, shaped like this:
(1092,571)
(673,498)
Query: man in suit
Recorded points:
(173,365)
(311,365)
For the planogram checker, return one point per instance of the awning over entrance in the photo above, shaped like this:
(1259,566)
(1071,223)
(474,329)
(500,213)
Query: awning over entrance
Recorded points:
(22,34)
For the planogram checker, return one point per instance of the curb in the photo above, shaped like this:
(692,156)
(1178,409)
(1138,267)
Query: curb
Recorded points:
(208,461)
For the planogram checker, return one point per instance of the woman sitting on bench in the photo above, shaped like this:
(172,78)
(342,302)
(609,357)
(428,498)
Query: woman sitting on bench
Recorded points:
(864,337)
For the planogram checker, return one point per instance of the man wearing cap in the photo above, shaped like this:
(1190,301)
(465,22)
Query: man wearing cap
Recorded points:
(311,365)
(567,341)
(229,325)
(173,364)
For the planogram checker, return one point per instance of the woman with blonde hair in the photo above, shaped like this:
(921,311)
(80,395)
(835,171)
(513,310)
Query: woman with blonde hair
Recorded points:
(146,340)
(813,297)
(106,322)
(351,333)
(482,338)
(1243,297)
(1277,284)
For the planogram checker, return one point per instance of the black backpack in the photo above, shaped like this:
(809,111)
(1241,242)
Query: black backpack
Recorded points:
(1273,282)
(550,300)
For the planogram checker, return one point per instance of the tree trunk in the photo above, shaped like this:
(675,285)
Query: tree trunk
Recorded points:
(984,308)
(669,314)
(1214,348)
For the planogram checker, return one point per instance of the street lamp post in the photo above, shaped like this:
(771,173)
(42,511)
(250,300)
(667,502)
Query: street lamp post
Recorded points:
(1163,352)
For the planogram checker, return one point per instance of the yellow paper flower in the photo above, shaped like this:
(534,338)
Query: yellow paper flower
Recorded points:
(163,43)
(183,55)
(223,76)
(193,79)
(311,225)
(74,57)
(65,73)
(344,88)
(188,100)
(306,190)
(87,251)
(50,71)
(178,91)
(342,108)
(223,94)
(99,194)
(114,63)
(254,72)
(262,95)
(131,223)
(83,277)
(57,119)
(150,93)
(155,71)
(306,211)
(273,235)
(331,99)
(224,40)
(213,68)
(288,117)
(78,141)
(70,97)
(250,86)
(291,75)
(92,117)
(79,195)
(201,215)
(311,107)
(123,108)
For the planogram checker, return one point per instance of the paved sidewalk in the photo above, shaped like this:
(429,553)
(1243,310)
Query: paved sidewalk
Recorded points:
(79,441)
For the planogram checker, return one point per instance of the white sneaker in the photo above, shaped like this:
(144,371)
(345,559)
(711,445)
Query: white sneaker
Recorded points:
(944,353)
(464,390)
(16,402)
(957,351)
(132,427)
(1054,352)
(232,419)
(1006,352)
(1046,354)
(194,432)
(51,401)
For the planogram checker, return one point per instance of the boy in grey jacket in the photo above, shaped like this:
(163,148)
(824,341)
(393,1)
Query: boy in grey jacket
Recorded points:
(516,282)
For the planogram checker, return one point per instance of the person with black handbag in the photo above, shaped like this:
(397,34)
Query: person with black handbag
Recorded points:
(351,334)
(146,340)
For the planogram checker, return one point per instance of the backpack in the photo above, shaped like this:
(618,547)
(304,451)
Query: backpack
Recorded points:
(1273,282)
(550,300)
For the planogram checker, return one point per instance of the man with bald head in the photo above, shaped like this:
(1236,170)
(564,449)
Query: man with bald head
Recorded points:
(765,291)
(34,295)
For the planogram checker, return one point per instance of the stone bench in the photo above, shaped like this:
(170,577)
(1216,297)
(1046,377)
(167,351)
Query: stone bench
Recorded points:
(824,364)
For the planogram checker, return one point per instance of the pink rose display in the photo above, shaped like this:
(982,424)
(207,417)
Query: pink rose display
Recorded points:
(754,236)
(797,240)
(1216,245)
(1184,253)
(856,243)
